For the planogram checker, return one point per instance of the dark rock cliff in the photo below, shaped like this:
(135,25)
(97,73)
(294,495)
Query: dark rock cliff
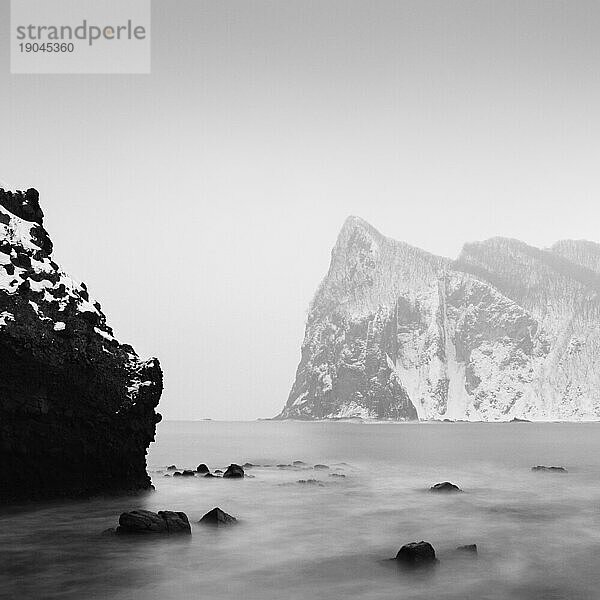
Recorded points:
(77,408)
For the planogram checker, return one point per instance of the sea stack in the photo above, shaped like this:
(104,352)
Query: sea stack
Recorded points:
(77,407)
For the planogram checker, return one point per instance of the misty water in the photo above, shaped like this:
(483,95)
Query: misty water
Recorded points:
(538,534)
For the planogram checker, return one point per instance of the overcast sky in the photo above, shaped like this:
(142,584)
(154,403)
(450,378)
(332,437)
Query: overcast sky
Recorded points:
(200,203)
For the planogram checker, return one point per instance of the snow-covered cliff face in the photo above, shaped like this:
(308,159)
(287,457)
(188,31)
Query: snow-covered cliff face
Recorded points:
(505,331)
(76,406)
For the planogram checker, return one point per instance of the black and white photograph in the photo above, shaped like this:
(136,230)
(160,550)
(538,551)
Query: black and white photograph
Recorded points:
(299,300)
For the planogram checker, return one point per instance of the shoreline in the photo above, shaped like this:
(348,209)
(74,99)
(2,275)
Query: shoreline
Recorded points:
(359,421)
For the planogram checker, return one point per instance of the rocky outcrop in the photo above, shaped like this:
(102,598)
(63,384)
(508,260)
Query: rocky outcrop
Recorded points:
(544,469)
(445,488)
(77,407)
(141,522)
(233,471)
(467,549)
(416,553)
(217,518)
(505,331)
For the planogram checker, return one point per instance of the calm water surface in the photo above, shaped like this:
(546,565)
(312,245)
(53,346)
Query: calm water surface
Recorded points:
(538,534)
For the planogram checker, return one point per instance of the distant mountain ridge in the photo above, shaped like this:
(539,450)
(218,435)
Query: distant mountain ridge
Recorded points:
(505,331)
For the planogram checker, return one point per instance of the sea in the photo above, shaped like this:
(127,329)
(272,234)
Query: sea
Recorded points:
(537,534)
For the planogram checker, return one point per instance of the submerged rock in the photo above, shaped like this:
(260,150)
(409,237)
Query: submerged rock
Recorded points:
(298,463)
(416,553)
(249,465)
(146,522)
(544,469)
(468,548)
(217,518)
(445,487)
(202,468)
(310,482)
(177,474)
(218,471)
(77,408)
(172,468)
(234,471)
(209,475)
(336,475)
(188,473)
(321,467)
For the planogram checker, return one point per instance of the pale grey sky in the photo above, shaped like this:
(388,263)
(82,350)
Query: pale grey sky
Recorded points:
(200,203)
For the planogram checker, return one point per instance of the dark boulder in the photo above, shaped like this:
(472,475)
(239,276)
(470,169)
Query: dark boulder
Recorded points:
(141,521)
(171,468)
(147,522)
(234,471)
(177,474)
(217,518)
(188,473)
(445,487)
(298,463)
(416,553)
(177,522)
(202,468)
(544,469)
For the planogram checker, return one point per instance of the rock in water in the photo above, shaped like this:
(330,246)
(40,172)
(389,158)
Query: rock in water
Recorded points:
(544,469)
(188,473)
(146,522)
(416,553)
(77,408)
(468,548)
(217,518)
(445,487)
(141,521)
(177,522)
(506,331)
(234,471)
(202,468)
